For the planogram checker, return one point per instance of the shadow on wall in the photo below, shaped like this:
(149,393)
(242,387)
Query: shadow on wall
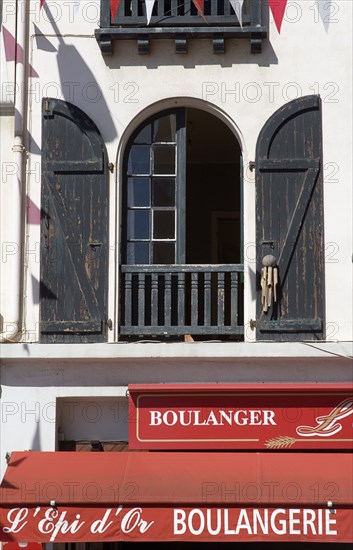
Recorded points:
(78,84)
(327,12)
(36,446)
(200,52)
(66,373)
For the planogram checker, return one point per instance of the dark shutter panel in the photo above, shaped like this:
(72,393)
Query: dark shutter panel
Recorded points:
(74,226)
(289,220)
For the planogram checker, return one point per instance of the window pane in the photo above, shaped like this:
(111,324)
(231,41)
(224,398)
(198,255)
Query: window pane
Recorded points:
(164,128)
(138,224)
(138,192)
(164,224)
(145,135)
(163,253)
(139,160)
(164,159)
(163,192)
(138,253)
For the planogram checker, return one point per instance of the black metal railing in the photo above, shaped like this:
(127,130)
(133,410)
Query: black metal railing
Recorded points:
(178,13)
(180,20)
(181,299)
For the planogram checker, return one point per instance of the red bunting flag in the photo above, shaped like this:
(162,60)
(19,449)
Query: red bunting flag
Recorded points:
(199,5)
(114,4)
(278,7)
(10,47)
(14,52)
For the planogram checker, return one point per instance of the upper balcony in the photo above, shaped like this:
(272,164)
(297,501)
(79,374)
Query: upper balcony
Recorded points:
(180,20)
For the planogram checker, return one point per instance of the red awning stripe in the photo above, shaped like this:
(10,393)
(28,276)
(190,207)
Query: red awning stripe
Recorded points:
(165,478)
(185,496)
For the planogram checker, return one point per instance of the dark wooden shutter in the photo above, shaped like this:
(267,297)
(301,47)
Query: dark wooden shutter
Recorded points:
(289,220)
(74,228)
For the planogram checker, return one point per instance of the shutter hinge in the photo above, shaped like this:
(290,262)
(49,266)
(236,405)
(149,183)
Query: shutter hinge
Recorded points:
(251,165)
(252,324)
(109,324)
(48,110)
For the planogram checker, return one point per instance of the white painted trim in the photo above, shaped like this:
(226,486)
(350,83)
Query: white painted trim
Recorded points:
(177,350)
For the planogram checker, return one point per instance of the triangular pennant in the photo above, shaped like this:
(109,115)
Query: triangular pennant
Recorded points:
(76,4)
(278,7)
(324,9)
(237,6)
(33,212)
(9,45)
(14,52)
(114,4)
(149,9)
(199,6)
(31,72)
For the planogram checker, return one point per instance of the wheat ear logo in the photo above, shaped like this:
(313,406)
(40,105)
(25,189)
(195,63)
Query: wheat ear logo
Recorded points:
(326,426)
(329,424)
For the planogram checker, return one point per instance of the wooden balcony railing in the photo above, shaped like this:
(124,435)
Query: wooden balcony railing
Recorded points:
(181,299)
(180,20)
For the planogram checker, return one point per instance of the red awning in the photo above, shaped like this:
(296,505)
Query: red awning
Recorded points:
(67,497)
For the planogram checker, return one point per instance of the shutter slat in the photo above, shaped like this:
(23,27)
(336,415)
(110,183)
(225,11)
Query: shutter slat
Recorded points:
(292,325)
(73,326)
(74,166)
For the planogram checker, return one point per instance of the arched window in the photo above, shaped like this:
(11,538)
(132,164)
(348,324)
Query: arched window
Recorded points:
(181,227)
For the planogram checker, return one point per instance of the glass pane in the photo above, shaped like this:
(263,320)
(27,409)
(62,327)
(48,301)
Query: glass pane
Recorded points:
(164,159)
(164,224)
(163,253)
(164,128)
(138,192)
(139,160)
(145,135)
(138,253)
(163,192)
(138,224)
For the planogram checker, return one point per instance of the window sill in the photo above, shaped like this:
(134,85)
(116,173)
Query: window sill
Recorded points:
(190,350)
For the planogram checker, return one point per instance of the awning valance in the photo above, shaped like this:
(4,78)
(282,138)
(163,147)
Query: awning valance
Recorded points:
(200,496)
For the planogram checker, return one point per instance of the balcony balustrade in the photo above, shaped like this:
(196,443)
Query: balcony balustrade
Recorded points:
(180,20)
(170,300)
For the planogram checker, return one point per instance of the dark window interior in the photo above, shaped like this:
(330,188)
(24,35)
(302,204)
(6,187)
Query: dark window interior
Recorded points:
(182,194)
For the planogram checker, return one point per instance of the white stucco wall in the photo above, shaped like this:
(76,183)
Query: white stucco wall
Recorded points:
(7,168)
(82,389)
(7,63)
(243,89)
(8,247)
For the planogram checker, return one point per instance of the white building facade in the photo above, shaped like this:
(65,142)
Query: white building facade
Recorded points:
(145,177)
